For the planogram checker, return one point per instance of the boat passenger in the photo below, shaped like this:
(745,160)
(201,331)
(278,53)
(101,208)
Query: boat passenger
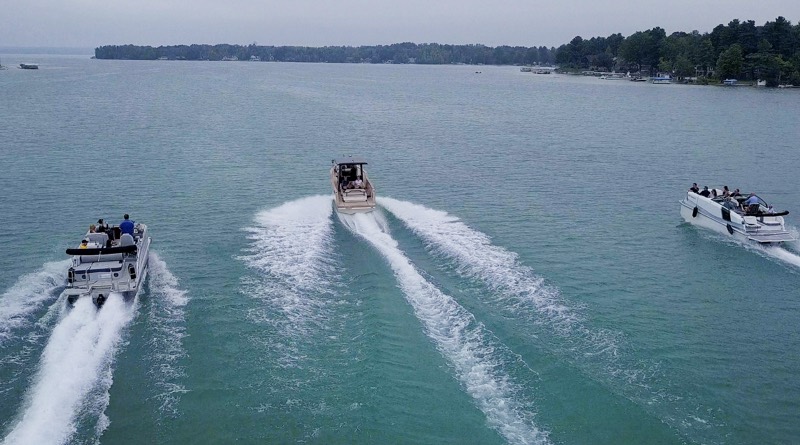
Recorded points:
(752,203)
(84,244)
(713,193)
(725,192)
(694,188)
(736,193)
(101,226)
(358,184)
(126,226)
(705,193)
(92,228)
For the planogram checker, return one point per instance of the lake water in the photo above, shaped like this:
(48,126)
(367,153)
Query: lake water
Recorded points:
(527,280)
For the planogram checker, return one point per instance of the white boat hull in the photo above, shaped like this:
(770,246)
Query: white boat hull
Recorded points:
(124,276)
(351,199)
(708,214)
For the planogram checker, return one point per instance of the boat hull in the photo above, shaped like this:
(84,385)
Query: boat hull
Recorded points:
(351,200)
(704,212)
(127,280)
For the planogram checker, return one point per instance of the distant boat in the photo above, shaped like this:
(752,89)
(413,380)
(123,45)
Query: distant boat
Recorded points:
(29,66)
(526,69)
(761,83)
(352,190)
(1,66)
(230,59)
(255,59)
(612,76)
(661,80)
(729,82)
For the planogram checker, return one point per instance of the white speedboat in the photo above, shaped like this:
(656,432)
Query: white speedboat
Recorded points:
(352,190)
(108,261)
(730,216)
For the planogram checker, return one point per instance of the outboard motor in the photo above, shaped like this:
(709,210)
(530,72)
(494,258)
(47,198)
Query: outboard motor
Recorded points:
(71,275)
(100,300)
(132,271)
(71,299)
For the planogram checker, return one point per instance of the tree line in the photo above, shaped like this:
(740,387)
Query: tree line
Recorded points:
(740,50)
(426,53)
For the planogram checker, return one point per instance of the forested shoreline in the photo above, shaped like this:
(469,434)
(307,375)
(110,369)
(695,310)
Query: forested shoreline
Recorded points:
(740,50)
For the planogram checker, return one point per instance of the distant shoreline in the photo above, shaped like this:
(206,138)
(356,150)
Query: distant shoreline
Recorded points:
(739,51)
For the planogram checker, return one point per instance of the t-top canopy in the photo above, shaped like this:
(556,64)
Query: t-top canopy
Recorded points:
(349,160)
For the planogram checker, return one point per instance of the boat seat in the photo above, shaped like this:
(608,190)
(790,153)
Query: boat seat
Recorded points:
(354,195)
(126,240)
(98,238)
(95,258)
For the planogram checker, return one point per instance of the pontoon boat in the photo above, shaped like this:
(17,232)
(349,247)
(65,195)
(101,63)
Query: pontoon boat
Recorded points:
(110,261)
(731,216)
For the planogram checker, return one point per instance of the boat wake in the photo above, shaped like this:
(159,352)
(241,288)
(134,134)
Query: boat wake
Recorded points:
(70,387)
(518,293)
(291,249)
(466,344)
(515,286)
(167,323)
(787,253)
(27,295)
(781,254)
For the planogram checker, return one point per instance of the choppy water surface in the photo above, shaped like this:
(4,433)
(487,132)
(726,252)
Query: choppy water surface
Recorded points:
(527,278)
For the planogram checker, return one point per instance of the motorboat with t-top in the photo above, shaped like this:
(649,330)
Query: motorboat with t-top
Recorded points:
(109,259)
(748,218)
(352,190)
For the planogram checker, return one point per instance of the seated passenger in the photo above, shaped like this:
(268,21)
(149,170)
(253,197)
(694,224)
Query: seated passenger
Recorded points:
(126,226)
(713,193)
(705,193)
(101,226)
(694,188)
(84,244)
(358,184)
(92,228)
(725,192)
(736,193)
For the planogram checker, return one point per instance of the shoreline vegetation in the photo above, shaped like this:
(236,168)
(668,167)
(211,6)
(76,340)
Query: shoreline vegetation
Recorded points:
(769,53)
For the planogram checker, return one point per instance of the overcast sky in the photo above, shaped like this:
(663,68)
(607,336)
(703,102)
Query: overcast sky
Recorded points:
(91,23)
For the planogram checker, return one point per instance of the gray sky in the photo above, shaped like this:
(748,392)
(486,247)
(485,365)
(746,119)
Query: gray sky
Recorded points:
(91,23)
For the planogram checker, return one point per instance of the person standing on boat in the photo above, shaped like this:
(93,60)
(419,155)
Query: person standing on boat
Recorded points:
(126,226)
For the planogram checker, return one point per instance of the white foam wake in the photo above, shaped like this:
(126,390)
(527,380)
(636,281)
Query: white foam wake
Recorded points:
(781,254)
(74,373)
(167,318)
(461,340)
(28,294)
(478,258)
(291,248)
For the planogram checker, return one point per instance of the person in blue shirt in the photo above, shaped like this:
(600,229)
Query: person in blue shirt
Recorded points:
(126,226)
(752,204)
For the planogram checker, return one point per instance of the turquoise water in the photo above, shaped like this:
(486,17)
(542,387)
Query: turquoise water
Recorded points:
(527,280)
